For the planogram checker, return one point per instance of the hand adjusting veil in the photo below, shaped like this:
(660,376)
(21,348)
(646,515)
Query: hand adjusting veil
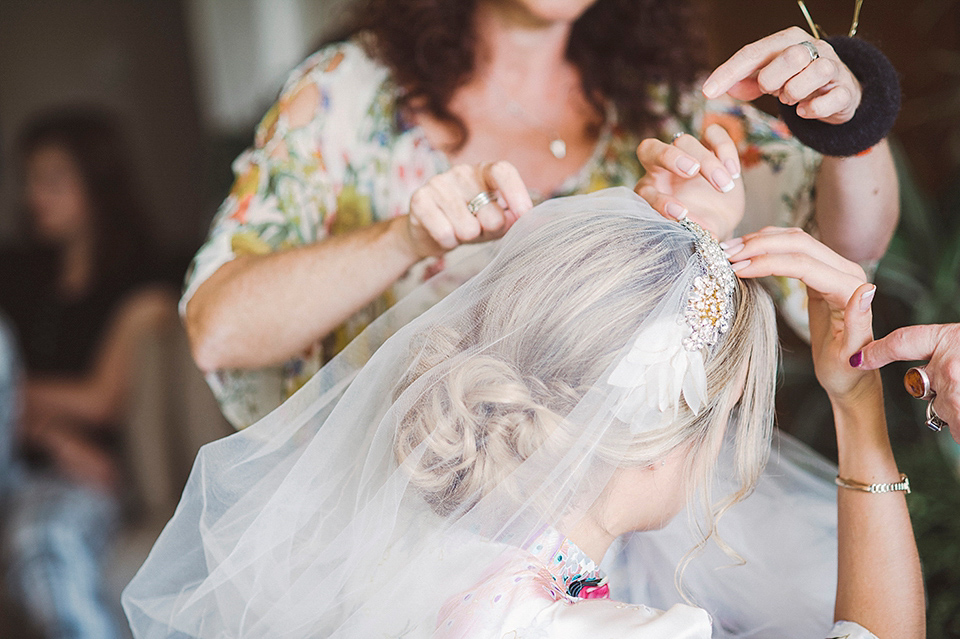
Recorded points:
(388,485)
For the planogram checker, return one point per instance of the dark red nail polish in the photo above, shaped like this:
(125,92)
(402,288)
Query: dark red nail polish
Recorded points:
(856,359)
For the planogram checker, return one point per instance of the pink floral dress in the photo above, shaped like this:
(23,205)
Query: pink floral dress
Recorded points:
(552,590)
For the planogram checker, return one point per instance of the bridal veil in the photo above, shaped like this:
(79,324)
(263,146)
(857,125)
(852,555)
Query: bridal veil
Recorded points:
(452,431)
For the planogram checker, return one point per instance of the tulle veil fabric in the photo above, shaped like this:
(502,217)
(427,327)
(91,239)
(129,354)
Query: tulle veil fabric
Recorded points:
(311,524)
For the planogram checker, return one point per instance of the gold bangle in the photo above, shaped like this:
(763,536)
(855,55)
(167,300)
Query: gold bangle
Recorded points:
(903,484)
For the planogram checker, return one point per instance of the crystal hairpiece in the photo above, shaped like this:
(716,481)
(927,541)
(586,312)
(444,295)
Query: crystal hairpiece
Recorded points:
(666,360)
(710,305)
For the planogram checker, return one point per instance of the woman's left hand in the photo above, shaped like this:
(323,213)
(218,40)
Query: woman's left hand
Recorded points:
(839,300)
(823,88)
(696,178)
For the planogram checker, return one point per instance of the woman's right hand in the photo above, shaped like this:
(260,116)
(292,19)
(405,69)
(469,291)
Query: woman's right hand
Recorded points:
(695,177)
(839,301)
(439,219)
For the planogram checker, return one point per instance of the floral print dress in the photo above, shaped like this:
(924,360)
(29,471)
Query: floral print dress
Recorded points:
(335,154)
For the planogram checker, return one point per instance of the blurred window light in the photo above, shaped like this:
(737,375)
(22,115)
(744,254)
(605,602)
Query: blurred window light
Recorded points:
(244,50)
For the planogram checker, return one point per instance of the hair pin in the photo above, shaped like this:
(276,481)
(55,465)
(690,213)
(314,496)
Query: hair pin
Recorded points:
(818,31)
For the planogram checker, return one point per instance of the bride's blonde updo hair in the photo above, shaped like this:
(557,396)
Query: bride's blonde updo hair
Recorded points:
(491,384)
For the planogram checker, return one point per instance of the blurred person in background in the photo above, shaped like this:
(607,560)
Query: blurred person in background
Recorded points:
(376,162)
(79,295)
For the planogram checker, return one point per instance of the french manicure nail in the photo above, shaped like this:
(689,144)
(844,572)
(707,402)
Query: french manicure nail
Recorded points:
(856,359)
(710,89)
(732,168)
(722,180)
(731,243)
(733,250)
(676,211)
(866,299)
(740,265)
(688,166)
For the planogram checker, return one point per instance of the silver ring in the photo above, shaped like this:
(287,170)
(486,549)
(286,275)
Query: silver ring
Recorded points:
(678,135)
(480,200)
(811,49)
(934,422)
(917,383)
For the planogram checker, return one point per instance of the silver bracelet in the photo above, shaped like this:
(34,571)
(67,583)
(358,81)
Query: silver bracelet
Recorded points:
(903,484)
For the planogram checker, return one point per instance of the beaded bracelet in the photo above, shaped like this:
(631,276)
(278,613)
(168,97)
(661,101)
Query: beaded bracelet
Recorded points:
(879,104)
(903,484)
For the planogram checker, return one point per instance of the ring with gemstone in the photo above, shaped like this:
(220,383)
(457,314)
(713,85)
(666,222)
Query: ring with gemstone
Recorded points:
(480,200)
(678,135)
(917,383)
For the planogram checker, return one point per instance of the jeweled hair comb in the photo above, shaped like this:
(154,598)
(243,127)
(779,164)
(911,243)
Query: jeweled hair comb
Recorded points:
(709,308)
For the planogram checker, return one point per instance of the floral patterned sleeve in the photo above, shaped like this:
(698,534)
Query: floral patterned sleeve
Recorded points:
(287,182)
(287,191)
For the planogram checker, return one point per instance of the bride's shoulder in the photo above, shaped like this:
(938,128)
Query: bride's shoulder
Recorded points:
(517,586)
(518,597)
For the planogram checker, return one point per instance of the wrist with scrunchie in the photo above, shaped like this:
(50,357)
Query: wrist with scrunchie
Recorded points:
(878,109)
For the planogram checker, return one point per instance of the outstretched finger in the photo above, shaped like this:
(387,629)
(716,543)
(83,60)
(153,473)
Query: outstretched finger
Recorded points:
(834,285)
(745,64)
(711,168)
(791,240)
(718,140)
(656,154)
(909,343)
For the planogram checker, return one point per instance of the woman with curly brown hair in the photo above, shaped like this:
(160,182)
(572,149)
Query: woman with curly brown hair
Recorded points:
(442,121)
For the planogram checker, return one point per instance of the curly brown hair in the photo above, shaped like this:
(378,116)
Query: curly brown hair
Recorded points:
(621,47)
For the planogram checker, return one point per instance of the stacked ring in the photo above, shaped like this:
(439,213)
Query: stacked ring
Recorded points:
(479,201)
(934,421)
(917,383)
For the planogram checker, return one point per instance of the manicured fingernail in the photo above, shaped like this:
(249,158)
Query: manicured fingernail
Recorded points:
(740,265)
(688,166)
(722,180)
(732,168)
(867,299)
(856,359)
(733,250)
(731,243)
(710,89)
(676,211)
